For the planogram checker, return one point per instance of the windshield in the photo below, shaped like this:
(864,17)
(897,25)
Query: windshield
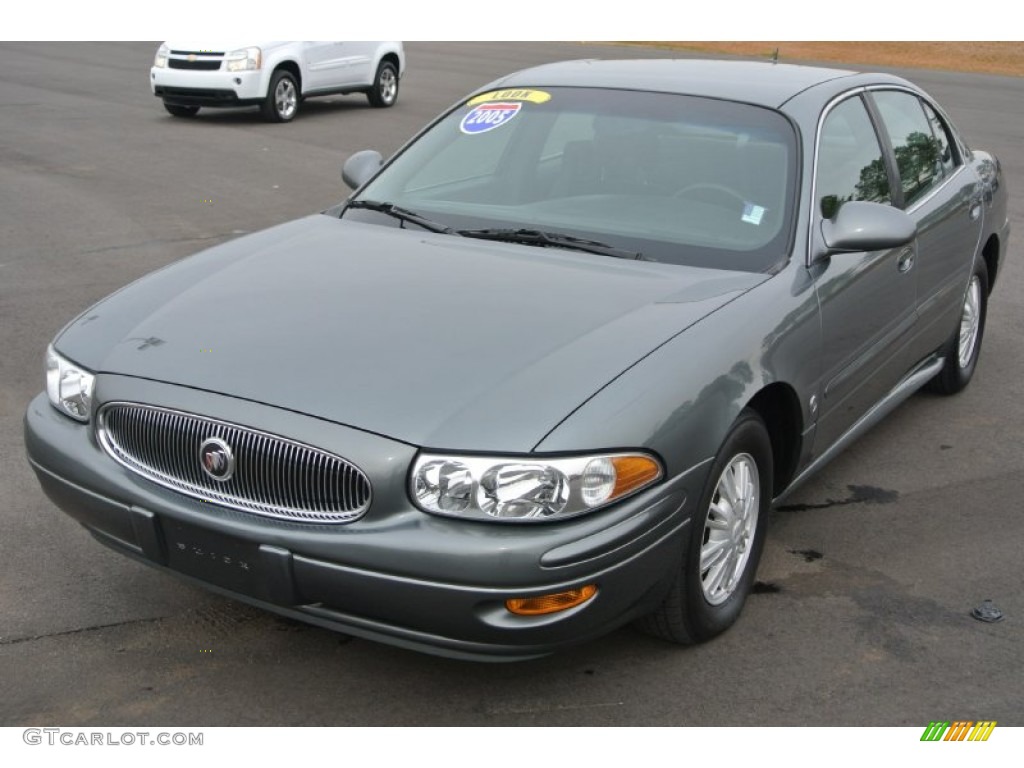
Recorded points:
(679,179)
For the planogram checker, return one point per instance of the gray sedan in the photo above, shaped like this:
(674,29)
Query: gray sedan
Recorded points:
(546,371)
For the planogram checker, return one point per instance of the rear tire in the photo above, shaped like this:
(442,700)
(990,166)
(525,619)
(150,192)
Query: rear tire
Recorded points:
(384,92)
(181,111)
(964,348)
(726,538)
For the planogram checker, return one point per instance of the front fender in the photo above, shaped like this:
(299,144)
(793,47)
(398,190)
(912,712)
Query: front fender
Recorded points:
(681,400)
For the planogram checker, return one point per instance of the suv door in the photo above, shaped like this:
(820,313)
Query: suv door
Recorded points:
(943,196)
(867,300)
(336,65)
(359,62)
(325,65)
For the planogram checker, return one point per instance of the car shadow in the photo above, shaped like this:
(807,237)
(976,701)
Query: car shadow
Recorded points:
(311,110)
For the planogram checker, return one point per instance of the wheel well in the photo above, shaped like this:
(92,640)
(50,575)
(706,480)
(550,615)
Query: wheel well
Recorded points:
(292,67)
(991,255)
(779,406)
(392,59)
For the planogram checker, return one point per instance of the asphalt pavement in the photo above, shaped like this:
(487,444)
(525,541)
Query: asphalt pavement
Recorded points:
(863,611)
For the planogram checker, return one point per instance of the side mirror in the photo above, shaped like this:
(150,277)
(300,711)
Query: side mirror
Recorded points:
(360,167)
(864,226)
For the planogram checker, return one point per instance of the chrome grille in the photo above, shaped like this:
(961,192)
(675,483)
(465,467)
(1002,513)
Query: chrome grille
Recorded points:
(273,476)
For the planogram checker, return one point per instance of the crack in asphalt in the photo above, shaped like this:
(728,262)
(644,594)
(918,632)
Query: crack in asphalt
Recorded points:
(29,638)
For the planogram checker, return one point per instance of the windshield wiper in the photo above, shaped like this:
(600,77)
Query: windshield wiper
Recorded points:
(403,214)
(524,236)
(552,239)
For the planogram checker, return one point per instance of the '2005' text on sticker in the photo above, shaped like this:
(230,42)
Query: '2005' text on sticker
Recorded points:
(487,117)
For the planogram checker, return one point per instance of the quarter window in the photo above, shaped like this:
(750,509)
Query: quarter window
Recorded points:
(918,152)
(941,132)
(850,164)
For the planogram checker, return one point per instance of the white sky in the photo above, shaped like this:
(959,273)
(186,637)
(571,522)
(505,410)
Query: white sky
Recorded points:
(497,20)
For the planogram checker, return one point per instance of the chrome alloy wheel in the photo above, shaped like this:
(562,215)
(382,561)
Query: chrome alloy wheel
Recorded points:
(729,529)
(970,322)
(388,85)
(286,100)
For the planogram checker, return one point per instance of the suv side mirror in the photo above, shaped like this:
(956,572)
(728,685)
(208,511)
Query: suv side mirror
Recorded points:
(360,167)
(864,226)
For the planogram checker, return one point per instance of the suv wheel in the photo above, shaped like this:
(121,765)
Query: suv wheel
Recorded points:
(282,101)
(384,92)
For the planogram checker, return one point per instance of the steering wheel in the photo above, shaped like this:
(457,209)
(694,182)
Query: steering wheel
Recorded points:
(708,186)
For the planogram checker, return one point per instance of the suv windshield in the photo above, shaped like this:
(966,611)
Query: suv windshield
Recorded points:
(679,179)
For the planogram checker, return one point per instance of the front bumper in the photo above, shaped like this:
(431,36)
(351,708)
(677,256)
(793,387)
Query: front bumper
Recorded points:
(195,88)
(396,575)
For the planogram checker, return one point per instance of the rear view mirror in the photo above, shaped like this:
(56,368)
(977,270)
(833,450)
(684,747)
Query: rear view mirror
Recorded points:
(360,167)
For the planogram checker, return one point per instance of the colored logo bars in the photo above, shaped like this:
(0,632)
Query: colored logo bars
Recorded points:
(959,730)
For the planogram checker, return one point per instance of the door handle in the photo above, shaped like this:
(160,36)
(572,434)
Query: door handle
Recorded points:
(906,260)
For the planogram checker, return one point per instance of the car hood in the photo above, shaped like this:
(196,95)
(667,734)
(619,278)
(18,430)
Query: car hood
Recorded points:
(430,339)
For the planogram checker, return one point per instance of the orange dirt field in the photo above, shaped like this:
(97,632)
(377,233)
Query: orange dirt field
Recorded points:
(997,58)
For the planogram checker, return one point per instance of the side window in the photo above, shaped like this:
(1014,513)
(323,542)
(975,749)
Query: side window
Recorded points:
(918,152)
(941,133)
(850,165)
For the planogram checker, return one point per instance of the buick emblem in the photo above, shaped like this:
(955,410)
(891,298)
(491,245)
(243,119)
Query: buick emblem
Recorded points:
(216,459)
(191,57)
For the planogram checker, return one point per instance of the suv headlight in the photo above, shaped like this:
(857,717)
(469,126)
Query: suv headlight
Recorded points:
(68,386)
(527,489)
(160,60)
(244,59)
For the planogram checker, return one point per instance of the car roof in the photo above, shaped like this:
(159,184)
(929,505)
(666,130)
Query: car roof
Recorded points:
(756,82)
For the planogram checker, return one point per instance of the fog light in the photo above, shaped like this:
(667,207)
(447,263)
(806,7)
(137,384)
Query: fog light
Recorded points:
(543,604)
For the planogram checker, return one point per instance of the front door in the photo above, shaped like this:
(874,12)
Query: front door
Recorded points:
(867,299)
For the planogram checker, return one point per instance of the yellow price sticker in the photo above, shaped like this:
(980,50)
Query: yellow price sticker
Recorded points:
(511,94)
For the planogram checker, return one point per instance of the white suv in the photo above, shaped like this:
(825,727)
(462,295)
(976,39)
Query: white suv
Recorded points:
(275,76)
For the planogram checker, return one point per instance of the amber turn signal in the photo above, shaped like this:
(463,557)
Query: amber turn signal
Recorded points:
(543,604)
(632,472)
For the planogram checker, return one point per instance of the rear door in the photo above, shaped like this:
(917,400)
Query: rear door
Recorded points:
(325,65)
(943,196)
(358,57)
(336,65)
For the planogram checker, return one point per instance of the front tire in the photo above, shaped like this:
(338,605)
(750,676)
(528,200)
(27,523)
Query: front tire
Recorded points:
(725,542)
(384,92)
(181,111)
(282,101)
(964,348)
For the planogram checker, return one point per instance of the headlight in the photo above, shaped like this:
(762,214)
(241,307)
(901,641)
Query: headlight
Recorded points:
(527,489)
(161,56)
(244,59)
(68,386)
